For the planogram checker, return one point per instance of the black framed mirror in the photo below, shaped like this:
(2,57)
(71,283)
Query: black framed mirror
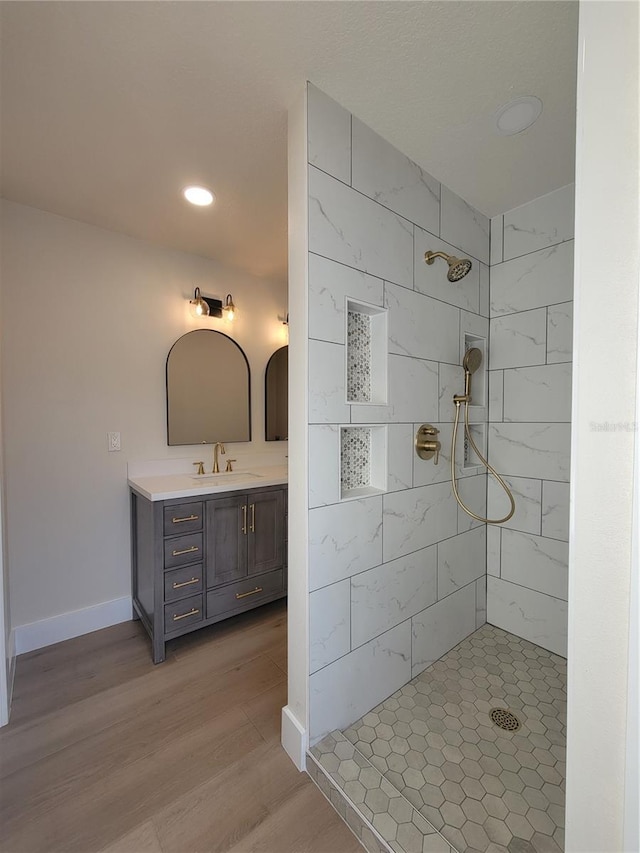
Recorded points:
(276,396)
(208,390)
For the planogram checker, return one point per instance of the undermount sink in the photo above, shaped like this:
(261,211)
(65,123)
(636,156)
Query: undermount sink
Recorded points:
(230,478)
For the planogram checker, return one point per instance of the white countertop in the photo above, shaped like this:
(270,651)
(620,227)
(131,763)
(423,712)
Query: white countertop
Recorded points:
(170,486)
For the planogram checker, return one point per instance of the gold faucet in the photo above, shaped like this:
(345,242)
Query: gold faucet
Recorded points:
(218,446)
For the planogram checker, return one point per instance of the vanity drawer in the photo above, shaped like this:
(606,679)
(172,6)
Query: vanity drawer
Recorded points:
(182,550)
(182,518)
(181,582)
(182,614)
(244,594)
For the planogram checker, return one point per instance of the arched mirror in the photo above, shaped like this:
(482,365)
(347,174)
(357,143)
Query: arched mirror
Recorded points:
(276,395)
(208,390)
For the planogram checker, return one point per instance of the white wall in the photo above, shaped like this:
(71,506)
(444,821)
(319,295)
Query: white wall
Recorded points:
(7,651)
(396,579)
(295,716)
(605,356)
(88,319)
(531,294)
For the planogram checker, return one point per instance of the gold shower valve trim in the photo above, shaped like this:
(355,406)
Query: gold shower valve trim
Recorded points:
(427,445)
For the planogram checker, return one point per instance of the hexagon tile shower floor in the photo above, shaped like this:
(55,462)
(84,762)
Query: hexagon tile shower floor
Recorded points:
(432,770)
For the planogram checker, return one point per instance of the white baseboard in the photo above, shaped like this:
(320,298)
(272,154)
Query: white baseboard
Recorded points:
(11,658)
(6,679)
(65,626)
(11,669)
(294,739)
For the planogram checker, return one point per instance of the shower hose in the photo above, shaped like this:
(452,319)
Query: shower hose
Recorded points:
(484,462)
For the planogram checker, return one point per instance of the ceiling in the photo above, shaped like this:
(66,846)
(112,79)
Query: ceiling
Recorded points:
(110,108)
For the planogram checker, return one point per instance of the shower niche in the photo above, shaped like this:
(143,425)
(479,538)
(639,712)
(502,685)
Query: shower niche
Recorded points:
(477,407)
(469,457)
(363,461)
(363,448)
(479,386)
(366,337)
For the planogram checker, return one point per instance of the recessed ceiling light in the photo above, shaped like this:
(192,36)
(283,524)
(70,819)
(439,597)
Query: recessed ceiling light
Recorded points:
(199,195)
(518,115)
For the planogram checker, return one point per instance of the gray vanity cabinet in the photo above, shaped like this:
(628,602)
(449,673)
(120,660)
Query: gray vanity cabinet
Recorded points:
(266,532)
(245,536)
(196,561)
(226,522)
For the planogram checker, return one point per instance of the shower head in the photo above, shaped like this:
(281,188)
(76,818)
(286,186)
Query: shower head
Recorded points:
(458,267)
(472,360)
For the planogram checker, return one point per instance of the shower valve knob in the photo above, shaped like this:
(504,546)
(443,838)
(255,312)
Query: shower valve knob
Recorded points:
(426,445)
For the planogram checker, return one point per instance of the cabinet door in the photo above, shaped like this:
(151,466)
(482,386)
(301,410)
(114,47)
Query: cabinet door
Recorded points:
(266,531)
(227,536)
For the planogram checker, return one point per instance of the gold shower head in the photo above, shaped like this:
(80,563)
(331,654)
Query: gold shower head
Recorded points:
(458,267)
(472,360)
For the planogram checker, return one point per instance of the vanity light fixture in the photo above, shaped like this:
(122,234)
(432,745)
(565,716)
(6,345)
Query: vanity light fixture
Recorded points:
(229,309)
(203,306)
(200,196)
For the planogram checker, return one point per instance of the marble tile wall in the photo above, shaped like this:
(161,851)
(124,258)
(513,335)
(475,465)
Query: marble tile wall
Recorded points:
(399,578)
(531,292)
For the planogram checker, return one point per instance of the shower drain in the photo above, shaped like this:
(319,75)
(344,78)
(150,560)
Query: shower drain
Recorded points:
(505,719)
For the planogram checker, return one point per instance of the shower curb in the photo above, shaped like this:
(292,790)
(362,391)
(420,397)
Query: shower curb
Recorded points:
(382,819)
(361,828)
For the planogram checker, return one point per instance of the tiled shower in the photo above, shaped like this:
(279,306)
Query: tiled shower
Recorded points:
(529,416)
(399,575)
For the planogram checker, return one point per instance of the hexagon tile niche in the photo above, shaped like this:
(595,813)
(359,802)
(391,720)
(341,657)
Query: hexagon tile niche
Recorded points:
(366,337)
(363,448)
(363,461)
(358,357)
(472,786)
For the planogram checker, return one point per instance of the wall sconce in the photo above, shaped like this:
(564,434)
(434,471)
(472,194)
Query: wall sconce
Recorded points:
(229,309)
(284,333)
(203,306)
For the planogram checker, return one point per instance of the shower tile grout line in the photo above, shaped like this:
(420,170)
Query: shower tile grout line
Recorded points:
(396,625)
(533,251)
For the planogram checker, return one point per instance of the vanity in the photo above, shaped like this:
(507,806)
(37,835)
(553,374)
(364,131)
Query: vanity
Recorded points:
(205,550)
(209,546)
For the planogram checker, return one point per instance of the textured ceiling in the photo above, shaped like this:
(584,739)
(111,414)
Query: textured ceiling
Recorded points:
(109,108)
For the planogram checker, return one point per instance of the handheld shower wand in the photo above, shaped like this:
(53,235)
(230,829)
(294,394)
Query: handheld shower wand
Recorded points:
(471,362)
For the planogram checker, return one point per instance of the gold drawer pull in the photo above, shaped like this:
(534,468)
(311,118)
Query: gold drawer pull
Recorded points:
(244,519)
(186,583)
(191,550)
(192,612)
(188,518)
(252,527)
(251,592)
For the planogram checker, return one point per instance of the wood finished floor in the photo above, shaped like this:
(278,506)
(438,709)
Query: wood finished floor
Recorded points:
(107,752)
